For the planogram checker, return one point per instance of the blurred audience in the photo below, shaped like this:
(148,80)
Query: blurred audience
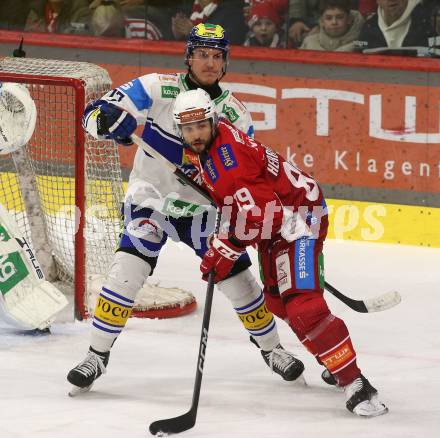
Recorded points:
(61,16)
(148,19)
(303,19)
(227,13)
(107,19)
(264,22)
(13,14)
(366,7)
(339,27)
(397,23)
(332,25)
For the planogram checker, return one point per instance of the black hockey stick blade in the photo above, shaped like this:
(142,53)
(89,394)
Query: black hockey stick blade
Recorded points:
(174,425)
(379,303)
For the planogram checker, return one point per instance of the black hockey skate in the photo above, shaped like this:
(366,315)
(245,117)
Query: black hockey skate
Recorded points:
(362,399)
(328,378)
(281,362)
(87,371)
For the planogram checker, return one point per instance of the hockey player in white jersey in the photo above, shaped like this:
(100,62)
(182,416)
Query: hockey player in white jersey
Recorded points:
(158,206)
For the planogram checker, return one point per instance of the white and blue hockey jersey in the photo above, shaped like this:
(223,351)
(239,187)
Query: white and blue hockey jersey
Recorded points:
(150,100)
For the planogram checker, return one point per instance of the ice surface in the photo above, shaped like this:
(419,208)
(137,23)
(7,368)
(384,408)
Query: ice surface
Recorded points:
(152,365)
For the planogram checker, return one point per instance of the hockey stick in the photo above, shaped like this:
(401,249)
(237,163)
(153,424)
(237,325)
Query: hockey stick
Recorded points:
(188,420)
(379,303)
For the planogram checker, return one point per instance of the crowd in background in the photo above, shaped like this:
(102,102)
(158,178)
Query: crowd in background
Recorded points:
(369,26)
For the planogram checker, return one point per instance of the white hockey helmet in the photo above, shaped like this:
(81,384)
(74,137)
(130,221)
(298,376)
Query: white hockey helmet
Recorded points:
(194,106)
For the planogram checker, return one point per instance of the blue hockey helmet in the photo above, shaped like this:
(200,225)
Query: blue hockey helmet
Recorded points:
(207,35)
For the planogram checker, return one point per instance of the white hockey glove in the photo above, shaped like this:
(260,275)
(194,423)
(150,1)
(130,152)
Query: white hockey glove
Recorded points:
(17,117)
(105,120)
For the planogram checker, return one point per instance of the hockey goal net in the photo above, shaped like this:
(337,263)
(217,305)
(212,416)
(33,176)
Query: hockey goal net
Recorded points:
(65,189)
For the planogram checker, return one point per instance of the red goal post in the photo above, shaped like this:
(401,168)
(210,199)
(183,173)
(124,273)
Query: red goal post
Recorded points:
(65,189)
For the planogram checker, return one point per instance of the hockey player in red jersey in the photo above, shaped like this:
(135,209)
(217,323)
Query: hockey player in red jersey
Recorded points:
(269,203)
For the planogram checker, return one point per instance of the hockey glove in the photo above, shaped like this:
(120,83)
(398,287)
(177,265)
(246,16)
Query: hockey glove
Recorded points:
(108,121)
(220,258)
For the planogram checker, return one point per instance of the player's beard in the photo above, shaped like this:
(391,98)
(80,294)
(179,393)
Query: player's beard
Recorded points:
(199,145)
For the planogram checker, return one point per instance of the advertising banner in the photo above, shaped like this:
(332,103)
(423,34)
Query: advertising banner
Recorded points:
(367,134)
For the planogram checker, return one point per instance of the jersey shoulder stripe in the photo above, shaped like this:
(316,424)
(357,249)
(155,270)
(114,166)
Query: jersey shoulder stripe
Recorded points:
(137,94)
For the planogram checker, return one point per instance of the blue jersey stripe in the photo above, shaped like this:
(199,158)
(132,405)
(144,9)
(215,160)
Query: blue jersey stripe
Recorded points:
(171,150)
(137,94)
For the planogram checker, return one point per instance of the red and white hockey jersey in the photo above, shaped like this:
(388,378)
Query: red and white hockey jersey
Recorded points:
(260,193)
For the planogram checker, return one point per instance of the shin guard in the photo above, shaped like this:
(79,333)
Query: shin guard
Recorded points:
(115,302)
(250,305)
(328,335)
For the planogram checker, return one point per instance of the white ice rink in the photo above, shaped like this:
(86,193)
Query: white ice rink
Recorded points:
(152,366)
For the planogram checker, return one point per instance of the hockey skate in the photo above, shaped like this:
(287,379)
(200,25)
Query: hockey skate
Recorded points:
(283,363)
(87,371)
(328,378)
(362,399)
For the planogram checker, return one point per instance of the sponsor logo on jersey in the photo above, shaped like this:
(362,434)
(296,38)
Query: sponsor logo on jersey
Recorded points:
(142,227)
(227,156)
(170,92)
(12,271)
(168,78)
(238,103)
(211,170)
(273,163)
(302,258)
(234,132)
(284,273)
(230,113)
(304,263)
(177,208)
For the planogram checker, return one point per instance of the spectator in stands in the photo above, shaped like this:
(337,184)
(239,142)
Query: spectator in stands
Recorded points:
(62,16)
(434,10)
(227,13)
(397,23)
(303,19)
(339,27)
(107,19)
(366,7)
(13,14)
(264,23)
(150,20)
(247,9)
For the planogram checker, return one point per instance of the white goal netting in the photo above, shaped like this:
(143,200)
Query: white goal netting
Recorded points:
(65,188)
